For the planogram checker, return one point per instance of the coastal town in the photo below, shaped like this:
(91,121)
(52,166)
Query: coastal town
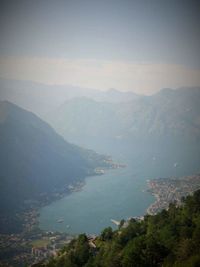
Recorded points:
(32,244)
(25,249)
(171,190)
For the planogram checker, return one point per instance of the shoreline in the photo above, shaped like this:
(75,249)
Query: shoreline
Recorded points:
(37,241)
(171,190)
(33,243)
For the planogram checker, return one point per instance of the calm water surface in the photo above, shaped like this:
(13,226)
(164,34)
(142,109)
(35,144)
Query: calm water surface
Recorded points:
(119,193)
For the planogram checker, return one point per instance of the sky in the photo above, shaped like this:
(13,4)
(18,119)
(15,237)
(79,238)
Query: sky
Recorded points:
(141,46)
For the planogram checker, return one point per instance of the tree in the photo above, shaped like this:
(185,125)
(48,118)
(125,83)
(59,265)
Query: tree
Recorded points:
(107,234)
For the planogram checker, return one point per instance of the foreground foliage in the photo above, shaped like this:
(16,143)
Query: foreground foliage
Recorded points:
(170,239)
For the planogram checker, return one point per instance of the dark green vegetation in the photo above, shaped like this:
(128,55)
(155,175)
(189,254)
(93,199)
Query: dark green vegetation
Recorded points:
(169,239)
(35,161)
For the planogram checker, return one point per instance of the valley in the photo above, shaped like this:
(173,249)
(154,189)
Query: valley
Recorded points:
(55,189)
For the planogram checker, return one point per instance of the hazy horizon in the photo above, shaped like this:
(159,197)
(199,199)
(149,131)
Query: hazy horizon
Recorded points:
(134,46)
(99,133)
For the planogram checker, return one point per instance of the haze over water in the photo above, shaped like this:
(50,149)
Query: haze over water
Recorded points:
(118,194)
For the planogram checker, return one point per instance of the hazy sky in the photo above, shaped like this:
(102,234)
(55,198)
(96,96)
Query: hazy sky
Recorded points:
(129,45)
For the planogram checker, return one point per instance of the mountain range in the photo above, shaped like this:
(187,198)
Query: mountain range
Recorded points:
(42,98)
(110,114)
(168,113)
(161,131)
(158,131)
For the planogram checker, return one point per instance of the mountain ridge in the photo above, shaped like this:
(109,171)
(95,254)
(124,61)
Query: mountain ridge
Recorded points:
(42,98)
(166,112)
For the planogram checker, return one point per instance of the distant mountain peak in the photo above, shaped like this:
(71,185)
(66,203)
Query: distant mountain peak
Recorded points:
(113,90)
